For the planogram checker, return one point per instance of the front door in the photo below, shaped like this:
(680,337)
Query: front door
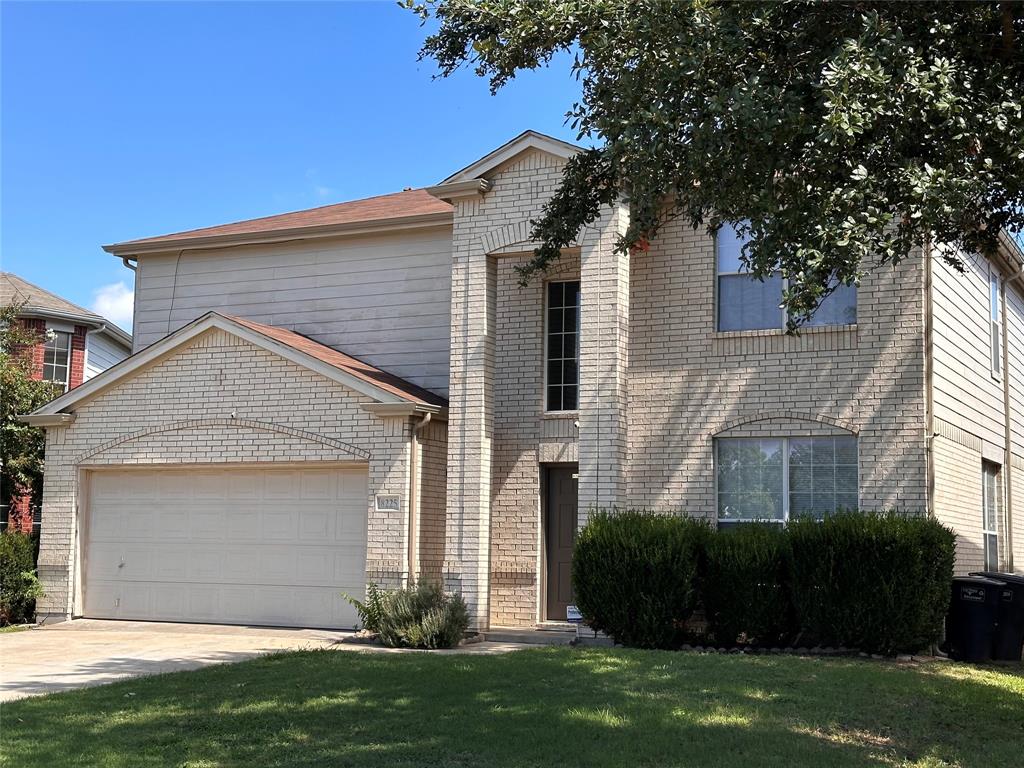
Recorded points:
(559,534)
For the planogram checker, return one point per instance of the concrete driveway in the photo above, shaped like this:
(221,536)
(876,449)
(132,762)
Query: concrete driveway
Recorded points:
(92,652)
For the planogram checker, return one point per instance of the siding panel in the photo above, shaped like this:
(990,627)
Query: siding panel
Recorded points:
(385,298)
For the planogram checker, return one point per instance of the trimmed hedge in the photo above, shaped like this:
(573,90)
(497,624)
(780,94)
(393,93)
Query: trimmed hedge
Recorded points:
(877,582)
(745,601)
(19,586)
(635,575)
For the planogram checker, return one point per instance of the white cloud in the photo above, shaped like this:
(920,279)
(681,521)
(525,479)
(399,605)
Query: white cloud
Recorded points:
(115,302)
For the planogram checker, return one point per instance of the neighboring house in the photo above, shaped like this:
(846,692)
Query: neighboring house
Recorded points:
(74,345)
(241,467)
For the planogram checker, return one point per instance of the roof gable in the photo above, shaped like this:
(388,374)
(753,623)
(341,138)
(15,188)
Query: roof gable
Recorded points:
(383,388)
(525,141)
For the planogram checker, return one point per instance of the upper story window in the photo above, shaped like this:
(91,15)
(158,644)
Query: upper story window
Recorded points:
(992,504)
(562,346)
(774,479)
(57,357)
(748,304)
(995,303)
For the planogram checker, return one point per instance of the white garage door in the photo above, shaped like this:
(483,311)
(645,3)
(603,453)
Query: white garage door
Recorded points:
(234,546)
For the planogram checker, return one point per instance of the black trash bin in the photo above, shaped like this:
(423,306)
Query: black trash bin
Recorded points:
(1008,642)
(970,625)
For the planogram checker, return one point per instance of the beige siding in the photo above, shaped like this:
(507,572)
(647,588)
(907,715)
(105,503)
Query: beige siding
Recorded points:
(965,393)
(383,298)
(958,498)
(102,353)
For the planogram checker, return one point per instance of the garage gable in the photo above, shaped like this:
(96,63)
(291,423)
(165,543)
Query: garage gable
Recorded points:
(380,391)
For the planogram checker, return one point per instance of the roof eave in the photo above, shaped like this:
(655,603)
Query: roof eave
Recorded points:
(46,420)
(134,248)
(460,190)
(90,321)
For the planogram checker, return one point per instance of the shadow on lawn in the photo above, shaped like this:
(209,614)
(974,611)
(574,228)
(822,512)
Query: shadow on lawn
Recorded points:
(111,669)
(528,708)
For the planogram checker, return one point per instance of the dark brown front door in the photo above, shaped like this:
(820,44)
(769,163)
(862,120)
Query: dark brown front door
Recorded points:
(559,534)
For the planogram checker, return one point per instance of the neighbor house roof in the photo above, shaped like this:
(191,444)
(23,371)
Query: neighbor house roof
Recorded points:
(389,393)
(39,302)
(410,207)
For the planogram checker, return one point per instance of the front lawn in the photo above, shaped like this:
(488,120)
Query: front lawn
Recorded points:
(537,707)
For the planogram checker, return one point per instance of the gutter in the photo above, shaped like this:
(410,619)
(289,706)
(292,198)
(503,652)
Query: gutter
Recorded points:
(414,497)
(929,383)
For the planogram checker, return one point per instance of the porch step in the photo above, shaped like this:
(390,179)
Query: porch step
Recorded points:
(530,636)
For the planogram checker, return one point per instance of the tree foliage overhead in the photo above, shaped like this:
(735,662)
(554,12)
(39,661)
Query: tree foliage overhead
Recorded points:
(21,446)
(837,135)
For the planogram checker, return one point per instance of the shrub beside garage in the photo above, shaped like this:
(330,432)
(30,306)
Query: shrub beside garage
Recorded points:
(19,586)
(877,582)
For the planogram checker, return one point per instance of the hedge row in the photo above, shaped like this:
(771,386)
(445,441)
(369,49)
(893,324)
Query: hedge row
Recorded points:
(875,582)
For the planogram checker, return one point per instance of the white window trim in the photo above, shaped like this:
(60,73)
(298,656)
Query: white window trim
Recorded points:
(67,372)
(785,475)
(997,501)
(995,322)
(544,363)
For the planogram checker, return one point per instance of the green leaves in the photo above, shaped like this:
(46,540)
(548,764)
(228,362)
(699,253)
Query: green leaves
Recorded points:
(846,135)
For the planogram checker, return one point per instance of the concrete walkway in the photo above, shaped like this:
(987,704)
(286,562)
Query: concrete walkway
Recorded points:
(88,652)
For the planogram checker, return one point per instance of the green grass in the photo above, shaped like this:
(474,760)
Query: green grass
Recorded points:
(531,708)
(14,628)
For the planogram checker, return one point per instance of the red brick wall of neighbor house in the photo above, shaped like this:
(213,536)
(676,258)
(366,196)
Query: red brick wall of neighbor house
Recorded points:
(37,325)
(19,516)
(77,373)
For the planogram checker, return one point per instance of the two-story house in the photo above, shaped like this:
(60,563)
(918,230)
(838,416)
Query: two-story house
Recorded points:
(364,393)
(73,345)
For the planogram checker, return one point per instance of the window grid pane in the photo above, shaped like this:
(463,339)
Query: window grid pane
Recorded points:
(992,504)
(819,474)
(563,319)
(56,357)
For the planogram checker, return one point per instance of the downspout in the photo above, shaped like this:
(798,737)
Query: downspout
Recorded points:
(1008,436)
(929,392)
(414,497)
(124,260)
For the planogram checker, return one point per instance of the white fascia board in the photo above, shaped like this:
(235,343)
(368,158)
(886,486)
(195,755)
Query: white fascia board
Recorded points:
(47,420)
(504,153)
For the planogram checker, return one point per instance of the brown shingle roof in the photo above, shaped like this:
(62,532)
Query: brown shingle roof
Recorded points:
(17,289)
(368,373)
(399,205)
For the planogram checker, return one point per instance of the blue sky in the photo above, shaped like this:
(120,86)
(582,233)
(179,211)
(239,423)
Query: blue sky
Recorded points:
(124,120)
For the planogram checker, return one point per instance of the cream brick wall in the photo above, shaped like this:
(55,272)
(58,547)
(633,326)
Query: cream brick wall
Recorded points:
(221,400)
(433,440)
(524,439)
(688,382)
(483,467)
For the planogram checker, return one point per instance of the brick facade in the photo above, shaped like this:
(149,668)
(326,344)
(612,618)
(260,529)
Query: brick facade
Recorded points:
(658,384)
(220,401)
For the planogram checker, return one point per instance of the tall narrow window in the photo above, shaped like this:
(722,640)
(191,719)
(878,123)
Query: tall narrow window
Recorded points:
(57,357)
(995,302)
(563,346)
(992,504)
